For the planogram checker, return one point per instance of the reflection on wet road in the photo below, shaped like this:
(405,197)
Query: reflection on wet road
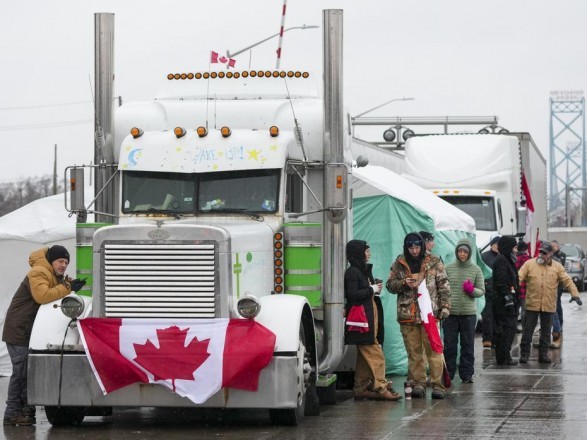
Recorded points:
(528,401)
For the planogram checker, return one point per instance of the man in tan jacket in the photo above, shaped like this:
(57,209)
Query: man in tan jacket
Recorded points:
(45,282)
(542,276)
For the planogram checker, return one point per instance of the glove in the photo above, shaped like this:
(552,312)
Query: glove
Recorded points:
(468,287)
(577,300)
(375,288)
(444,312)
(77,284)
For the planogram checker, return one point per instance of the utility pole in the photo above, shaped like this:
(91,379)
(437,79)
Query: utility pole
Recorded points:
(55,171)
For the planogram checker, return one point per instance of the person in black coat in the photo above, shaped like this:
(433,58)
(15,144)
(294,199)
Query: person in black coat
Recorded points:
(489,257)
(361,290)
(505,299)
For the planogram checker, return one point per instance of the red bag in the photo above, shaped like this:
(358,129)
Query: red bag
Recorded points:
(356,320)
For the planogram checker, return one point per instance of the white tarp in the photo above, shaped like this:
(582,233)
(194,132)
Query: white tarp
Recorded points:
(44,222)
(375,180)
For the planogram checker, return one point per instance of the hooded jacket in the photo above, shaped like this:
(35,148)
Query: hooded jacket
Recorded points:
(40,286)
(357,291)
(458,272)
(425,267)
(505,277)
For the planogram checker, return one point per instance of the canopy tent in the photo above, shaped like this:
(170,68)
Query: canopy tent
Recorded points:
(41,223)
(386,207)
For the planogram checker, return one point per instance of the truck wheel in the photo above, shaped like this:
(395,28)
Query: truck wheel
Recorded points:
(294,416)
(65,415)
(581,286)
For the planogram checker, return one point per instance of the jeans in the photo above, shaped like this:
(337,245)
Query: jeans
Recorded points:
(530,325)
(460,327)
(16,403)
(557,318)
(487,318)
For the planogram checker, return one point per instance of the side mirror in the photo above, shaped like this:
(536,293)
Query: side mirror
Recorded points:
(76,189)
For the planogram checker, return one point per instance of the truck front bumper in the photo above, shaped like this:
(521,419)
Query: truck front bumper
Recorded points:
(278,387)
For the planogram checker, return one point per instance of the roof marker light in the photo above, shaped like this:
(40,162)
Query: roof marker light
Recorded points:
(274,131)
(202,131)
(190,75)
(136,132)
(179,132)
(170,76)
(225,131)
(198,75)
(305,74)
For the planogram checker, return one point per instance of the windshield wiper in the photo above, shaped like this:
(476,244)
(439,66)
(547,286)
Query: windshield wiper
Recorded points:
(177,215)
(246,211)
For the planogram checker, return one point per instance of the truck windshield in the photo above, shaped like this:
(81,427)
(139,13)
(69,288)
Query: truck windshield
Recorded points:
(482,209)
(179,193)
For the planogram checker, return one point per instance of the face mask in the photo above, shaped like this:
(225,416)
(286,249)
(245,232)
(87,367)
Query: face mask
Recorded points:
(540,260)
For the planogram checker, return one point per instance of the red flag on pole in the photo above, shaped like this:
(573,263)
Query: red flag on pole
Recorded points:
(214,57)
(231,62)
(194,358)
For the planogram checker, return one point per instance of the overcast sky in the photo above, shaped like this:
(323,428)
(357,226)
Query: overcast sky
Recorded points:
(455,57)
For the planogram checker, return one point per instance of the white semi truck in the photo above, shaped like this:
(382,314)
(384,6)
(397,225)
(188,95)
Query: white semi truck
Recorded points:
(227,197)
(482,175)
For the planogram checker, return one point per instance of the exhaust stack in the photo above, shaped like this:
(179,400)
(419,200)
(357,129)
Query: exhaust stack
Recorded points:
(104,115)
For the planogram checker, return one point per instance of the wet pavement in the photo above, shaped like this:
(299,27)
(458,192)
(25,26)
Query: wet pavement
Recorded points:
(531,401)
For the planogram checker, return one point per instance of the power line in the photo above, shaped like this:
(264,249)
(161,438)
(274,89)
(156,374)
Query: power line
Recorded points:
(44,125)
(62,104)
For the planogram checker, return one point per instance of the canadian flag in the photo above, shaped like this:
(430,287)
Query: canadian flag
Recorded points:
(428,319)
(530,212)
(194,358)
(215,58)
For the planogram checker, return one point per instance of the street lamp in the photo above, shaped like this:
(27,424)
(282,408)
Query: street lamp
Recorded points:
(238,52)
(381,105)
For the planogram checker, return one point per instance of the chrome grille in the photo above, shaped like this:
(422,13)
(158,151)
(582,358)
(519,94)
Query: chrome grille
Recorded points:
(568,265)
(159,281)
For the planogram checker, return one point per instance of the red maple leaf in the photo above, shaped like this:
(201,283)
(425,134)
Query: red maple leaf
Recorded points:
(172,360)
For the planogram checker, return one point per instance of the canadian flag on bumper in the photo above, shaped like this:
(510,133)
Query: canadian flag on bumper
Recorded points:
(194,358)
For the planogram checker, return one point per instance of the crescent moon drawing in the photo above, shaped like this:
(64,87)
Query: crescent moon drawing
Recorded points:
(134,154)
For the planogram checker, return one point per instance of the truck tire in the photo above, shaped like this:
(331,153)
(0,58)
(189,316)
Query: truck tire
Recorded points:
(295,416)
(581,285)
(65,415)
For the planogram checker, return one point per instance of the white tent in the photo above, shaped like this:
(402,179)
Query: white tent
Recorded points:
(41,223)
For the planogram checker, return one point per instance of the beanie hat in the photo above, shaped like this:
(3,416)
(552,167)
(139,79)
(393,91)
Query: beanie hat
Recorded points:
(465,247)
(494,240)
(427,236)
(56,252)
(522,246)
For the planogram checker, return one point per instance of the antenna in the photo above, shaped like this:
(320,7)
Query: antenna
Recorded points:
(297,129)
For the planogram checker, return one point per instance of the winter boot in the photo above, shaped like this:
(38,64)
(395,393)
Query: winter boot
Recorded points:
(557,339)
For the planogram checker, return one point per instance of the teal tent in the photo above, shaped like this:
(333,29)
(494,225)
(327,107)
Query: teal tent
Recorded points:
(385,208)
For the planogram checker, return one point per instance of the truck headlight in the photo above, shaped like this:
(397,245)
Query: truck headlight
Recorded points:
(248,306)
(72,306)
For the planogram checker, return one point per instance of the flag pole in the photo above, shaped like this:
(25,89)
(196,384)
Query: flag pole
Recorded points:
(208,87)
(281,34)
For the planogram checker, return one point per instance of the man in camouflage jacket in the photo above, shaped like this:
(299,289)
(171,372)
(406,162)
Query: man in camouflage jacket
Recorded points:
(407,272)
